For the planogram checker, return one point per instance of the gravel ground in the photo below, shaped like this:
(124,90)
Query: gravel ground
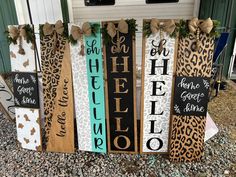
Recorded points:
(219,159)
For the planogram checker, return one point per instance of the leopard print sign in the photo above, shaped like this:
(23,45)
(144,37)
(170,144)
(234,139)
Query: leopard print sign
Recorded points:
(187,138)
(195,63)
(57,93)
(187,132)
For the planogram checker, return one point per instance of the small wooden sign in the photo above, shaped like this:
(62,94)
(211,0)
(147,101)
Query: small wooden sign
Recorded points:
(26,90)
(120,91)
(7,99)
(57,93)
(157,75)
(191,96)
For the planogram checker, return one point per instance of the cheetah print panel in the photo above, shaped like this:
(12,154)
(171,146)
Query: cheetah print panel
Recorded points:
(51,57)
(187,138)
(195,63)
(187,133)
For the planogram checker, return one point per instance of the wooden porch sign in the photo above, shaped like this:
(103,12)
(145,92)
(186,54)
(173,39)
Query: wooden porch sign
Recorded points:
(119,60)
(94,63)
(25,85)
(57,88)
(194,61)
(88,78)
(157,75)
(6,99)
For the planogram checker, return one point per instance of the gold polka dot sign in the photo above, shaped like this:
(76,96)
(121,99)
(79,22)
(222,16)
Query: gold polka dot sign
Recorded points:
(25,85)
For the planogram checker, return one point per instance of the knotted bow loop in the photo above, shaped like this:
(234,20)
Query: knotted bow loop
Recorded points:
(76,32)
(48,29)
(205,26)
(86,28)
(22,32)
(123,27)
(13,32)
(195,26)
(168,26)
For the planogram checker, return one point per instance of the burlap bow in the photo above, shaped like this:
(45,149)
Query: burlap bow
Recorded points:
(56,29)
(49,28)
(77,34)
(16,33)
(122,27)
(195,26)
(167,26)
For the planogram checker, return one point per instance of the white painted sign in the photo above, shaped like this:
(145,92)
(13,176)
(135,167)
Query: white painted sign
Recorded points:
(27,119)
(156,90)
(81,95)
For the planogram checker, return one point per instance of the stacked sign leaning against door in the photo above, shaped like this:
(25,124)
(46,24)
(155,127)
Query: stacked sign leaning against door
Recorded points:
(25,85)
(57,87)
(194,61)
(87,68)
(158,65)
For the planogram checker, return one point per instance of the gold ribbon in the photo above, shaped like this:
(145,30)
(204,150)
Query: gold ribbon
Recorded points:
(167,26)
(16,33)
(122,27)
(195,26)
(77,34)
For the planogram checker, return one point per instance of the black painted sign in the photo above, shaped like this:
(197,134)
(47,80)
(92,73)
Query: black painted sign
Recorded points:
(191,96)
(120,92)
(25,86)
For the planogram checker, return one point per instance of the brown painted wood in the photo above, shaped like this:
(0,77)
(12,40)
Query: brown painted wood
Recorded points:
(66,143)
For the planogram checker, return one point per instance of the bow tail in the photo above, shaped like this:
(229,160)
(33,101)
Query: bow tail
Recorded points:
(21,50)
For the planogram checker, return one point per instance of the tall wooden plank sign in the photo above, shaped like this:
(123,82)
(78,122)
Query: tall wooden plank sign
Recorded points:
(25,85)
(88,85)
(6,99)
(57,88)
(194,60)
(157,74)
(119,59)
